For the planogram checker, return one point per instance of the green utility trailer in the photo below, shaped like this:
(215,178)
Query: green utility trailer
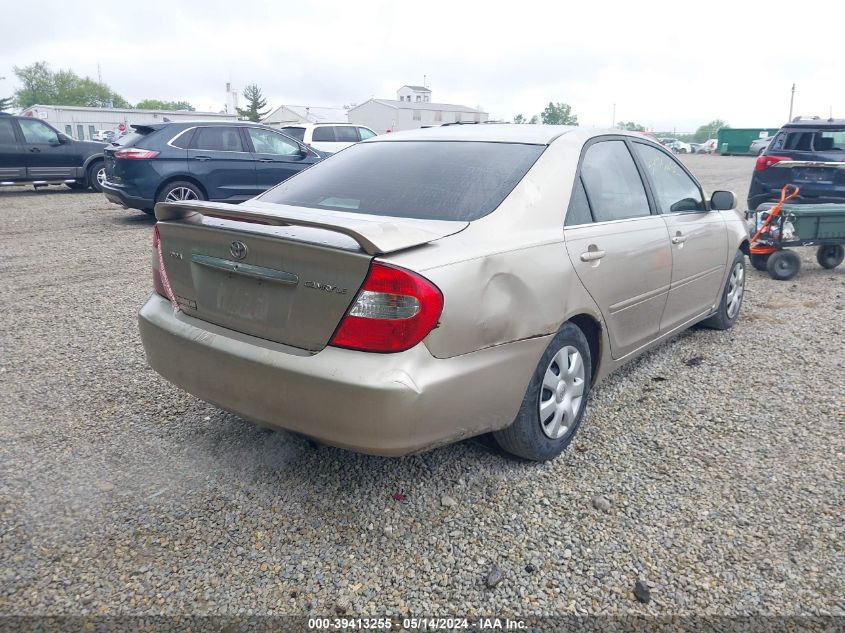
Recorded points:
(821,225)
(737,141)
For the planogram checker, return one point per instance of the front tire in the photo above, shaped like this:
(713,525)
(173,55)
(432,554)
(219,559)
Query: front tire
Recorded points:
(783,265)
(97,175)
(830,256)
(732,296)
(554,402)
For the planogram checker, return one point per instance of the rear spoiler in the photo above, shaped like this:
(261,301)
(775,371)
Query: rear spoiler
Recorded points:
(375,234)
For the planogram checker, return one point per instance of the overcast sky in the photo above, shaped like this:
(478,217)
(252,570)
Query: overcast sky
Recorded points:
(666,65)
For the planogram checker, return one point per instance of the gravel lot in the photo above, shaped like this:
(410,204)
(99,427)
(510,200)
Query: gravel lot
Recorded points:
(711,469)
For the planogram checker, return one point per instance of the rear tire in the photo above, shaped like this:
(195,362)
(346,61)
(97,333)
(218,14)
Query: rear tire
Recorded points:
(759,261)
(179,191)
(830,256)
(554,402)
(783,265)
(97,175)
(732,295)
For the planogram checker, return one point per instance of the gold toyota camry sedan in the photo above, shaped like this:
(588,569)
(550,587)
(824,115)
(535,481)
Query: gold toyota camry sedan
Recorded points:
(426,286)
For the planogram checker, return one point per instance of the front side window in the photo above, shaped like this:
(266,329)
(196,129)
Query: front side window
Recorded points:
(434,180)
(37,132)
(267,142)
(612,182)
(217,139)
(346,134)
(674,189)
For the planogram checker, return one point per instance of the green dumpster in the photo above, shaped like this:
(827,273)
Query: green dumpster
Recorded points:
(737,140)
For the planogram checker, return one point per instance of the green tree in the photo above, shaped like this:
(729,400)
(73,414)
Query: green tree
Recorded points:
(534,120)
(158,104)
(630,126)
(709,130)
(255,102)
(63,87)
(5,103)
(519,119)
(558,114)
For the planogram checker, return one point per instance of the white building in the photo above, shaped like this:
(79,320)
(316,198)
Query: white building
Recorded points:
(413,109)
(81,123)
(289,114)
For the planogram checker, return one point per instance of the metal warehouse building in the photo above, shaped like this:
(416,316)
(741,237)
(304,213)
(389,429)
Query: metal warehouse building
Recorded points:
(81,123)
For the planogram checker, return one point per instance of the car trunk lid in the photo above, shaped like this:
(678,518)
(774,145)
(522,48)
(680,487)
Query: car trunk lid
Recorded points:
(281,273)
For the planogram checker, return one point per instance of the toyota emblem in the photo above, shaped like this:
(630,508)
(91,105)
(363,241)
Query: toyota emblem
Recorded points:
(238,249)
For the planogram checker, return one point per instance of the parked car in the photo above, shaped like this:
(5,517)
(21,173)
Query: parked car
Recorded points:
(759,145)
(695,148)
(220,161)
(104,135)
(709,146)
(679,147)
(328,137)
(33,152)
(807,153)
(420,289)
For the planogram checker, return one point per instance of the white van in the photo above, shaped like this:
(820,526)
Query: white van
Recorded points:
(328,137)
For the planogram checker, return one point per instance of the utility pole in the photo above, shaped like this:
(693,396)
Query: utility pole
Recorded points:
(613,124)
(791,100)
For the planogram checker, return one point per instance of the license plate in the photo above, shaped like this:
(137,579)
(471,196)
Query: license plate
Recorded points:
(814,174)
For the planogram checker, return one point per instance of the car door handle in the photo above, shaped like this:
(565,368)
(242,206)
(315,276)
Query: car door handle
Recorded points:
(591,255)
(34,149)
(679,238)
(202,157)
(266,160)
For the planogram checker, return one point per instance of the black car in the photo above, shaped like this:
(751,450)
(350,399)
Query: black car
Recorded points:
(808,153)
(33,152)
(203,160)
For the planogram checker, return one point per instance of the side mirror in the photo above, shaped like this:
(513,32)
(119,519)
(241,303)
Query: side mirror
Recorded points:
(63,139)
(722,201)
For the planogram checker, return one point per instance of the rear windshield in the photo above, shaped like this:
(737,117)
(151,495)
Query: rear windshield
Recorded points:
(826,140)
(432,180)
(295,132)
(127,139)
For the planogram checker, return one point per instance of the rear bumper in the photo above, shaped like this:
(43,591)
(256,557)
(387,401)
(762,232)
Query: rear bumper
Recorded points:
(117,195)
(384,404)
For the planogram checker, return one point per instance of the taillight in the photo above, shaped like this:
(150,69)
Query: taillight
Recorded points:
(134,153)
(160,282)
(394,311)
(764,162)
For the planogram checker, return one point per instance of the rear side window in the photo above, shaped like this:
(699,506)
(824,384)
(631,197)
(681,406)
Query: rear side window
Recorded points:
(295,132)
(323,134)
(432,180)
(346,134)
(217,139)
(612,182)
(7,132)
(365,133)
(579,208)
(675,190)
(183,140)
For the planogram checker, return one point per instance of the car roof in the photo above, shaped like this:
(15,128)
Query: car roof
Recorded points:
(815,123)
(490,132)
(321,123)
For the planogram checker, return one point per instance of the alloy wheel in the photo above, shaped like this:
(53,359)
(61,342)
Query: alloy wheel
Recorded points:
(179,194)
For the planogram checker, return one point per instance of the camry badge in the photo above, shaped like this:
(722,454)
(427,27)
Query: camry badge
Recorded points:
(238,249)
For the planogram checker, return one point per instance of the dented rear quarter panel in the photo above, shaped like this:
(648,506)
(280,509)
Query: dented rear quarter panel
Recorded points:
(507,277)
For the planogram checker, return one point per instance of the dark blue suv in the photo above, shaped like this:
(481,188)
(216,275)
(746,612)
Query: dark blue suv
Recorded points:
(228,161)
(808,153)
